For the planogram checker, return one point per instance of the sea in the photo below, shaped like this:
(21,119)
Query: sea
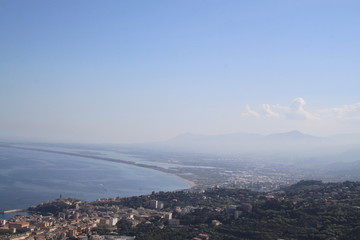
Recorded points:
(29,177)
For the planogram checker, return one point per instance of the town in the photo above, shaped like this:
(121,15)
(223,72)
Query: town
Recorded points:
(306,210)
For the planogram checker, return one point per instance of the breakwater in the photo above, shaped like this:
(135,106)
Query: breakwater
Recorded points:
(13,211)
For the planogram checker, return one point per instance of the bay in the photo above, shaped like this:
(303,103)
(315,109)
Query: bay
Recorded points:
(30,177)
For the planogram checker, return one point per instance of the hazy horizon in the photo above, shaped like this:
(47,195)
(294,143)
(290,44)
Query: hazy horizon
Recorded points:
(144,71)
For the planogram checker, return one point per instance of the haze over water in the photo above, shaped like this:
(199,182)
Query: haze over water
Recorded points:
(30,177)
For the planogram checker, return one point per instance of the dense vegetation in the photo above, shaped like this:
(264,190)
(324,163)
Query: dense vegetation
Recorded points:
(308,210)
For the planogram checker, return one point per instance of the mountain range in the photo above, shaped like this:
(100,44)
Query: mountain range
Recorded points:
(293,143)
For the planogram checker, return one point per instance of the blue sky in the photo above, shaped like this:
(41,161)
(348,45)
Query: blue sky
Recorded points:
(133,71)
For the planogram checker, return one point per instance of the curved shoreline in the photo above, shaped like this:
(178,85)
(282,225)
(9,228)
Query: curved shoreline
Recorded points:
(113,160)
(191,183)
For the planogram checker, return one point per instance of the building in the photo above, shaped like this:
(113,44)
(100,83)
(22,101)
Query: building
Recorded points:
(154,204)
(168,216)
(215,222)
(2,222)
(104,221)
(113,221)
(18,225)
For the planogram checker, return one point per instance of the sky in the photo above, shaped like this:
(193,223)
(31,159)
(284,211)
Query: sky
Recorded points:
(140,71)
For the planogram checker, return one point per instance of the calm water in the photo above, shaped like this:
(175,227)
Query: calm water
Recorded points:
(30,177)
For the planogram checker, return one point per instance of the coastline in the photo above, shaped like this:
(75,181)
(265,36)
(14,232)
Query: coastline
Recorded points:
(113,160)
(162,170)
(189,184)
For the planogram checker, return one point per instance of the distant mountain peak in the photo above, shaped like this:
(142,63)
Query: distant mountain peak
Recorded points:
(292,134)
(191,136)
(295,132)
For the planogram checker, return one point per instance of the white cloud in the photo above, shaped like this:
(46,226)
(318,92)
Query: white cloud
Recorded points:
(346,112)
(269,112)
(298,112)
(251,113)
(295,115)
